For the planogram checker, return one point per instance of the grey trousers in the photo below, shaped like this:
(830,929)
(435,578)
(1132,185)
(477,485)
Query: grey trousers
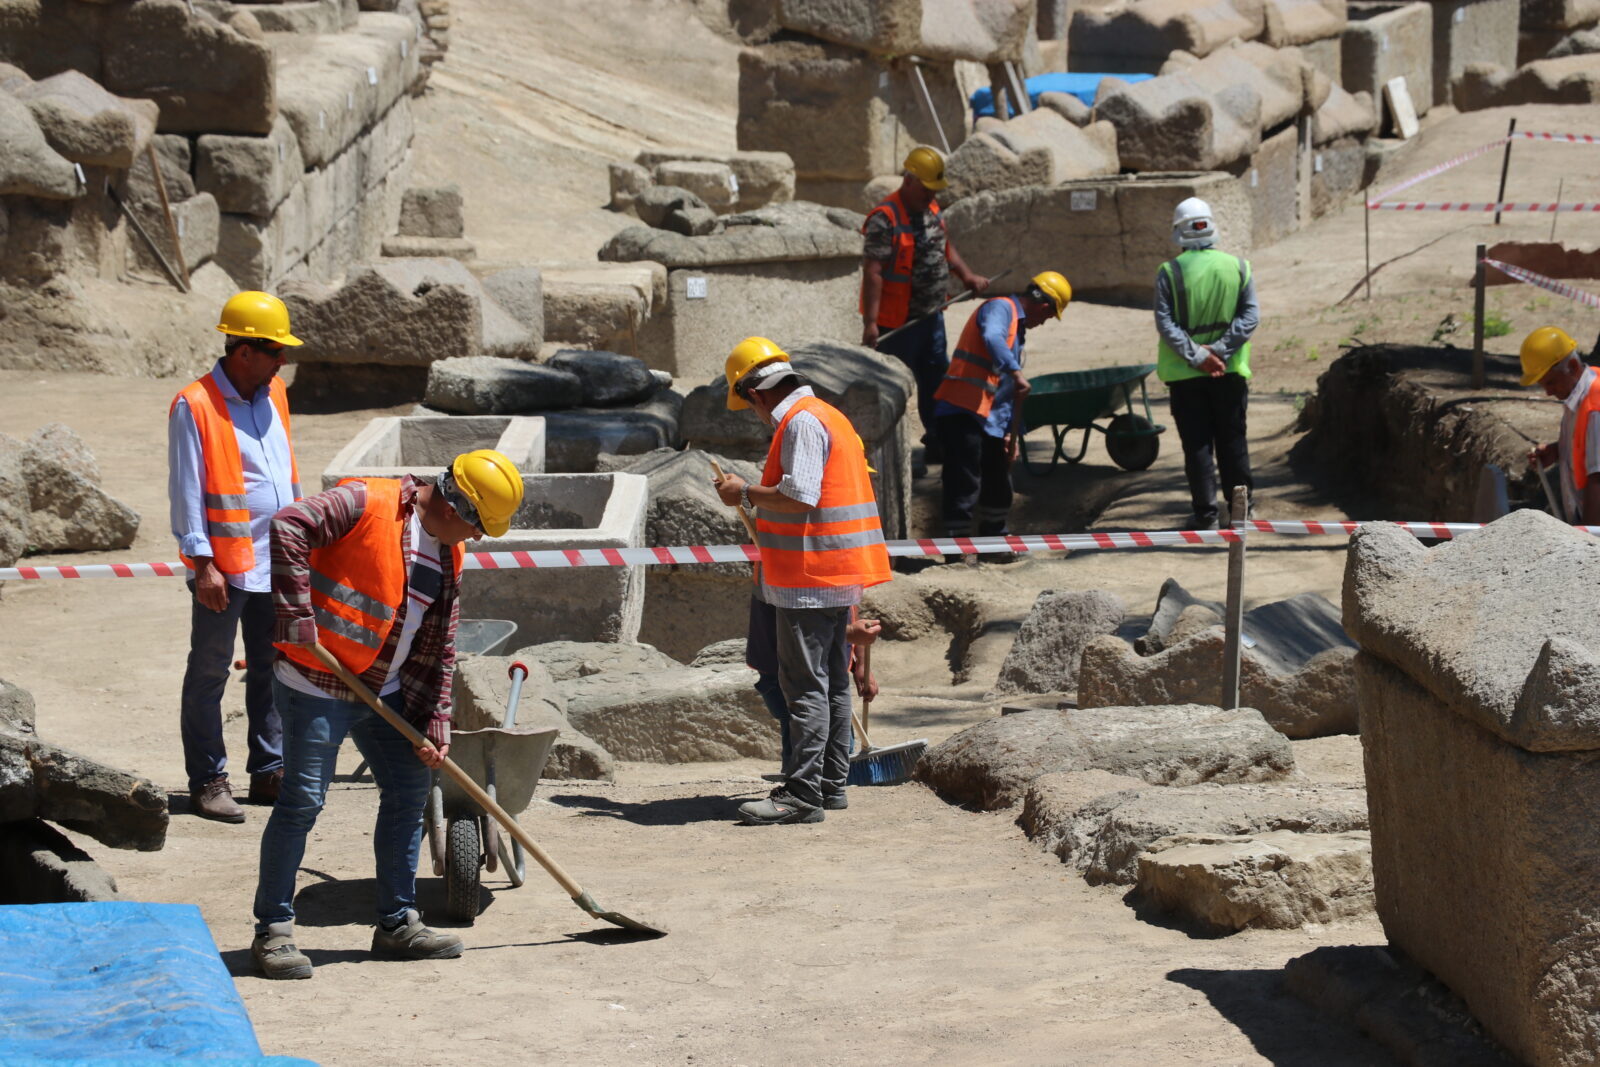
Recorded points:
(814,673)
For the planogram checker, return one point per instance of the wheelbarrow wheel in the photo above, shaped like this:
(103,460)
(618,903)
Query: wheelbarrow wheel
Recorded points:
(462,859)
(1132,443)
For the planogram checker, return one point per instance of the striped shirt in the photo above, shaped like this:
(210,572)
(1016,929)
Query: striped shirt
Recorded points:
(803,455)
(425,674)
(1570,500)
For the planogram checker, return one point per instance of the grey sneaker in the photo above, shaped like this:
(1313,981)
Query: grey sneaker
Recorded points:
(838,802)
(276,957)
(413,941)
(777,809)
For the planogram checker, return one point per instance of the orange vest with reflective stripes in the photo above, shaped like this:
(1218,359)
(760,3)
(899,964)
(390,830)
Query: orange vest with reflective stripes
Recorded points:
(972,379)
(838,542)
(894,306)
(1580,438)
(227,514)
(359,582)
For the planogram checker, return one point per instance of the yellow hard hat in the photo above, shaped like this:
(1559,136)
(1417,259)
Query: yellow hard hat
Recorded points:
(257,314)
(1543,349)
(492,485)
(927,166)
(1056,287)
(870,468)
(746,356)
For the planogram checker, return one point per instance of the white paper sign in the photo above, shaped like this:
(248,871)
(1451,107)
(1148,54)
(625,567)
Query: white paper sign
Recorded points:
(1401,109)
(402,49)
(1317,166)
(1255,178)
(349,101)
(1459,16)
(883,80)
(694,288)
(1083,199)
(372,76)
(322,120)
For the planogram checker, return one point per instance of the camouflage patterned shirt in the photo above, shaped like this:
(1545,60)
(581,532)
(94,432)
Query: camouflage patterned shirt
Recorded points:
(930,272)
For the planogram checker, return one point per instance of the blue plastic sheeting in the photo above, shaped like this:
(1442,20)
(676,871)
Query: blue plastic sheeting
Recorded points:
(119,982)
(1083,86)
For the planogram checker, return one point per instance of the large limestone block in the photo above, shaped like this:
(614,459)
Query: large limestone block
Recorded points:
(1383,41)
(1491,623)
(28,165)
(334,87)
(711,181)
(14,503)
(1297,22)
(69,512)
(174,155)
(1172,122)
(204,75)
(777,234)
(1469,32)
(432,211)
(1103,838)
(1561,16)
(249,175)
(990,765)
(1568,80)
(1343,115)
(682,715)
(762,178)
(1038,148)
(597,313)
(987,31)
(1278,80)
(41,780)
(1482,854)
(1045,656)
(1273,881)
(577,437)
(483,692)
(198,222)
(567,660)
(608,379)
(88,125)
(55,449)
(45,37)
(1271,178)
(487,385)
(520,290)
(1151,30)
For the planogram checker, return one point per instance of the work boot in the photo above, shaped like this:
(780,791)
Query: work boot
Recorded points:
(214,800)
(276,957)
(413,941)
(264,787)
(777,809)
(837,802)
(1201,522)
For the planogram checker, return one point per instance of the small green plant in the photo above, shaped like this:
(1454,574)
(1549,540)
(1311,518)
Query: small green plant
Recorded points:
(1495,326)
(1313,354)
(1289,342)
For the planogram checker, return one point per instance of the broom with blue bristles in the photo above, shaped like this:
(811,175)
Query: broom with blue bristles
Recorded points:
(888,765)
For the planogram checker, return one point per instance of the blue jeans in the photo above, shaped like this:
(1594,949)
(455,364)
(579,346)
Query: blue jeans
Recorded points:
(314,727)
(922,348)
(211,636)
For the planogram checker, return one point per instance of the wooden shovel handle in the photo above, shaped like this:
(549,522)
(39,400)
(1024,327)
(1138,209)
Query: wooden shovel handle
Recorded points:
(749,527)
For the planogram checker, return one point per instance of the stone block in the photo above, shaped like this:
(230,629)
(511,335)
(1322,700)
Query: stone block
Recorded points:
(432,211)
(486,385)
(55,449)
(45,37)
(712,182)
(393,446)
(1326,57)
(520,291)
(175,156)
(1383,41)
(29,166)
(1273,881)
(1558,16)
(1038,148)
(1342,116)
(483,691)
(1176,612)
(1172,123)
(681,715)
(1302,22)
(1570,80)
(306,17)
(44,867)
(607,379)
(762,178)
(41,780)
(249,175)
(198,223)
(987,31)
(668,207)
(1468,32)
(1271,178)
(1068,107)
(1119,226)
(628,180)
(597,313)
(86,124)
(457,248)
(1049,646)
(205,76)
(1338,174)
(335,87)
(990,765)
(567,660)
(579,436)
(69,512)
(14,511)
(1143,33)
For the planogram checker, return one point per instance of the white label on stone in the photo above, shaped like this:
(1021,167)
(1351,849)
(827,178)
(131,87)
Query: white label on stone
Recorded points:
(694,288)
(1083,199)
(1383,45)
(1460,15)
(733,184)
(883,80)
(77,168)
(322,120)
(1254,178)
(1317,166)
(349,101)
(181,219)
(372,76)
(402,49)
(280,151)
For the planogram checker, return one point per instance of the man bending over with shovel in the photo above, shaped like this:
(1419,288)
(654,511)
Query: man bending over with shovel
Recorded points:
(369,570)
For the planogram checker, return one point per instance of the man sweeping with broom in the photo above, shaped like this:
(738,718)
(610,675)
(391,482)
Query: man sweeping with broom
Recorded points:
(821,544)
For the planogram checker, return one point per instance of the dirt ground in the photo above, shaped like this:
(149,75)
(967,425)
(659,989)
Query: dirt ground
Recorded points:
(904,930)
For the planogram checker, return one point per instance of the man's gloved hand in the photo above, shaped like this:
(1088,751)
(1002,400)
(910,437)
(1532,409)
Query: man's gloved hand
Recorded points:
(439,733)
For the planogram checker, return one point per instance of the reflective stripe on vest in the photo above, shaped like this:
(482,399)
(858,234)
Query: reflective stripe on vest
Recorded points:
(894,305)
(1207,286)
(973,379)
(227,507)
(1580,439)
(840,541)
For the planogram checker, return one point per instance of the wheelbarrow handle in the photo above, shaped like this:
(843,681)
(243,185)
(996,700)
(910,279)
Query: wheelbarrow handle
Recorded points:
(464,780)
(518,672)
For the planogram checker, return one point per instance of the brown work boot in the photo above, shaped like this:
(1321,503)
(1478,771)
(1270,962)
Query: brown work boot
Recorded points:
(413,941)
(264,787)
(214,800)
(277,958)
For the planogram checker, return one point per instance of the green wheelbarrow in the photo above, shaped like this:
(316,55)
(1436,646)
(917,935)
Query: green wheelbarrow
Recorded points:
(1078,400)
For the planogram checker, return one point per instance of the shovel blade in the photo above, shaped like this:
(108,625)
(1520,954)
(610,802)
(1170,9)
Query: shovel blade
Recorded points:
(585,901)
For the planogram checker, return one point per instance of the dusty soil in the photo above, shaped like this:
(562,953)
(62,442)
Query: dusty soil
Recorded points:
(905,930)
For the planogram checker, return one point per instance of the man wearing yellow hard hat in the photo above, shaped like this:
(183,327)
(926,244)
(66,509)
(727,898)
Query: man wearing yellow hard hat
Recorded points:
(821,544)
(1550,359)
(371,571)
(906,263)
(977,416)
(230,467)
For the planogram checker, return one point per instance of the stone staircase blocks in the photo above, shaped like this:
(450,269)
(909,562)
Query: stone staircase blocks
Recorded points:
(205,76)
(342,84)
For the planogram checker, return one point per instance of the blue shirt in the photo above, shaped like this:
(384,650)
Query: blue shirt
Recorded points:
(268,481)
(994,323)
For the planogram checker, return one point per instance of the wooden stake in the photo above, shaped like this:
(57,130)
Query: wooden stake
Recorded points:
(1477,320)
(1505,165)
(1366,226)
(1561,184)
(1233,618)
(166,209)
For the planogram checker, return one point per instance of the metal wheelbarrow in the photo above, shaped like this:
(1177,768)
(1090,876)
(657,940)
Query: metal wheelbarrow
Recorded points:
(462,838)
(1077,400)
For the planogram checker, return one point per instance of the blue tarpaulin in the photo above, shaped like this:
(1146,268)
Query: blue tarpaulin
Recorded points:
(1083,86)
(119,982)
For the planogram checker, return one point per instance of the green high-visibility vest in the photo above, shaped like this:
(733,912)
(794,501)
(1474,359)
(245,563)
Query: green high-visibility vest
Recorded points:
(1205,286)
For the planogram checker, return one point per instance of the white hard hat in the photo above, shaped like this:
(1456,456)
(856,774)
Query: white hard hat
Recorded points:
(1191,223)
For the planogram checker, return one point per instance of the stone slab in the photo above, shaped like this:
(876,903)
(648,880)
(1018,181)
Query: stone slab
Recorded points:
(1049,646)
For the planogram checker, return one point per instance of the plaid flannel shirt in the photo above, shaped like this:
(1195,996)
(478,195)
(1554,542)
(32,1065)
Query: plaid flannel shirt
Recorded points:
(316,521)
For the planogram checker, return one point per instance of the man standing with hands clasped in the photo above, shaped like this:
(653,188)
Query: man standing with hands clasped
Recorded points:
(821,544)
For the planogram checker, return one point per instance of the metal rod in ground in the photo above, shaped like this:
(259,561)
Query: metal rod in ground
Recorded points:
(1477,319)
(155,249)
(1367,234)
(166,209)
(1505,165)
(1233,619)
(927,105)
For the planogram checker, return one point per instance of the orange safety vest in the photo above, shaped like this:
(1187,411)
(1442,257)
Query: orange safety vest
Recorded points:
(1580,437)
(972,379)
(838,542)
(894,306)
(359,582)
(227,513)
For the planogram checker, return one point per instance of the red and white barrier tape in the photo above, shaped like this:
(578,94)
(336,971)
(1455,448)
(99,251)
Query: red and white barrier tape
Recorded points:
(1559,138)
(555,559)
(1420,205)
(1449,164)
(1523,274)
